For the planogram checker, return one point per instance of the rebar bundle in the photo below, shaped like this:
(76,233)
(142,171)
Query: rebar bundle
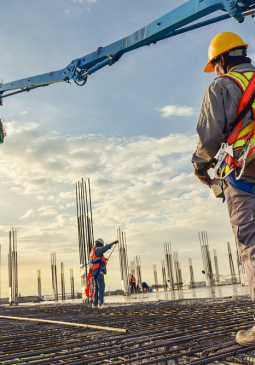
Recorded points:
(169,264)
(13,267)
(192,280)
(217,272)
(123,258)
(178,272)
(164,274)
(231,264)
(132,268)
(63,289)
(72,284)
(203,239)
(138,272)
(54,276)
(155,276)
(39,284)
(85,229)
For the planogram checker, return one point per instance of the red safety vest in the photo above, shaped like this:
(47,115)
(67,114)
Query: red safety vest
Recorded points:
(239,136)
(93,258)
(133,280)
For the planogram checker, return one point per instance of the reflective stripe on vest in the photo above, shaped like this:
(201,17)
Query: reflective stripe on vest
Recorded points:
(238,136)
(243,80)
(93,258)
(133,280)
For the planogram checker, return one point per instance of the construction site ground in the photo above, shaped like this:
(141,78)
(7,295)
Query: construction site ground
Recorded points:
(167,332)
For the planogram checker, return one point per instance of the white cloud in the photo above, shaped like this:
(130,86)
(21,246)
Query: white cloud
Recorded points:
(47,211)
(24,112)
(29,214)
(176,110)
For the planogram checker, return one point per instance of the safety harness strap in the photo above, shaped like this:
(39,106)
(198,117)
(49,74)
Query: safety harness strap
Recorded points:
(245,104)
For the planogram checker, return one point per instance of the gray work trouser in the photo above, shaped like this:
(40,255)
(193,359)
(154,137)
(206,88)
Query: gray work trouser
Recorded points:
(241,208)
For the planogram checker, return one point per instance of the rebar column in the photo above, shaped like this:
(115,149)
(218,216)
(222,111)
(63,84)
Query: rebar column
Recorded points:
(192,280)
(63,290)
(217,272)
(13,267)
(123,259)
(169,264)
(203,238)
(54,276)
(39,284)
(72,284)
(231,264)
(164,274)
(155,276)
(85,230)
(178,272)
(138,272)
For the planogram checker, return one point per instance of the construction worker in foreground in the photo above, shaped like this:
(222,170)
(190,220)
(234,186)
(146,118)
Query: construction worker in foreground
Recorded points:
(227,116)
(132,283)
(98,267)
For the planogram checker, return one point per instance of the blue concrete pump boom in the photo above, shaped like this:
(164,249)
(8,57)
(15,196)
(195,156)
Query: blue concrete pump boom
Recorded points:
(171,24)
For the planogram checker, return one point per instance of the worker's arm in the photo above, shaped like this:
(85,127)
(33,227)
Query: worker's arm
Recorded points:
(99,251)
(211,125)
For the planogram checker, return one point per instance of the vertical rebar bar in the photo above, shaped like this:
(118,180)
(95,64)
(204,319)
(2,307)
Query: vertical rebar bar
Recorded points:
(164,275)
(39,284)
(216,265)
(169,264)
(155,277)
(203,239)
(63,291)
(231,264)
(192,280)
(72,283)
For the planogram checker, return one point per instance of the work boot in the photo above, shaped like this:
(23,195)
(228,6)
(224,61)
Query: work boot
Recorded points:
(246,337)
(102,306)
(94,306)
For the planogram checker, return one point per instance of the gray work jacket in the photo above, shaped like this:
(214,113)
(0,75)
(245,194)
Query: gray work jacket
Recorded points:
(217,115)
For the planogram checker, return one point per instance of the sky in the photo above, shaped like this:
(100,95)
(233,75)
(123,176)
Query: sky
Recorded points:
(131,129)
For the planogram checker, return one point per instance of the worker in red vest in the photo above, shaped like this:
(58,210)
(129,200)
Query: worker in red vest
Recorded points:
(132,283)
(226,124)
(98,268)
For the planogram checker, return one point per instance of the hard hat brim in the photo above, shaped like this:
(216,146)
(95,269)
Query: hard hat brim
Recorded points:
(209,67)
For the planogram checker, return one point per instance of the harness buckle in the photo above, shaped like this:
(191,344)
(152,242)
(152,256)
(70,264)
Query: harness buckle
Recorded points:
(243,157)
(225,150)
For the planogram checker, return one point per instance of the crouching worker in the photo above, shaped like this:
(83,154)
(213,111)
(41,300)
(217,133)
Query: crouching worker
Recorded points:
(98,263)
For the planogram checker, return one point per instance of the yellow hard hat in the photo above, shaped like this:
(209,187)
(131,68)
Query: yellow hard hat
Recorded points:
(222,43)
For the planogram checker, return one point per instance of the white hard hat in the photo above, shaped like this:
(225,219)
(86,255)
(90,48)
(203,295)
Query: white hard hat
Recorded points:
(100,240)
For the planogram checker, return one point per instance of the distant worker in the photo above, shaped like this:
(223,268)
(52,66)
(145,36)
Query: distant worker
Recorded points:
(145,287)
(227,116)
(132,283)
(98,270)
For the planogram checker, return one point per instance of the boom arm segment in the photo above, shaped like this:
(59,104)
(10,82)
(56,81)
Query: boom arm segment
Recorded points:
(167,26)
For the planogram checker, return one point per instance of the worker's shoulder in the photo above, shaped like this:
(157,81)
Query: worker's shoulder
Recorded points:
(219,83)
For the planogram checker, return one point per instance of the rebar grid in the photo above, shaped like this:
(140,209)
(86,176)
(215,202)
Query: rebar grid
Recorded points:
(193,332)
